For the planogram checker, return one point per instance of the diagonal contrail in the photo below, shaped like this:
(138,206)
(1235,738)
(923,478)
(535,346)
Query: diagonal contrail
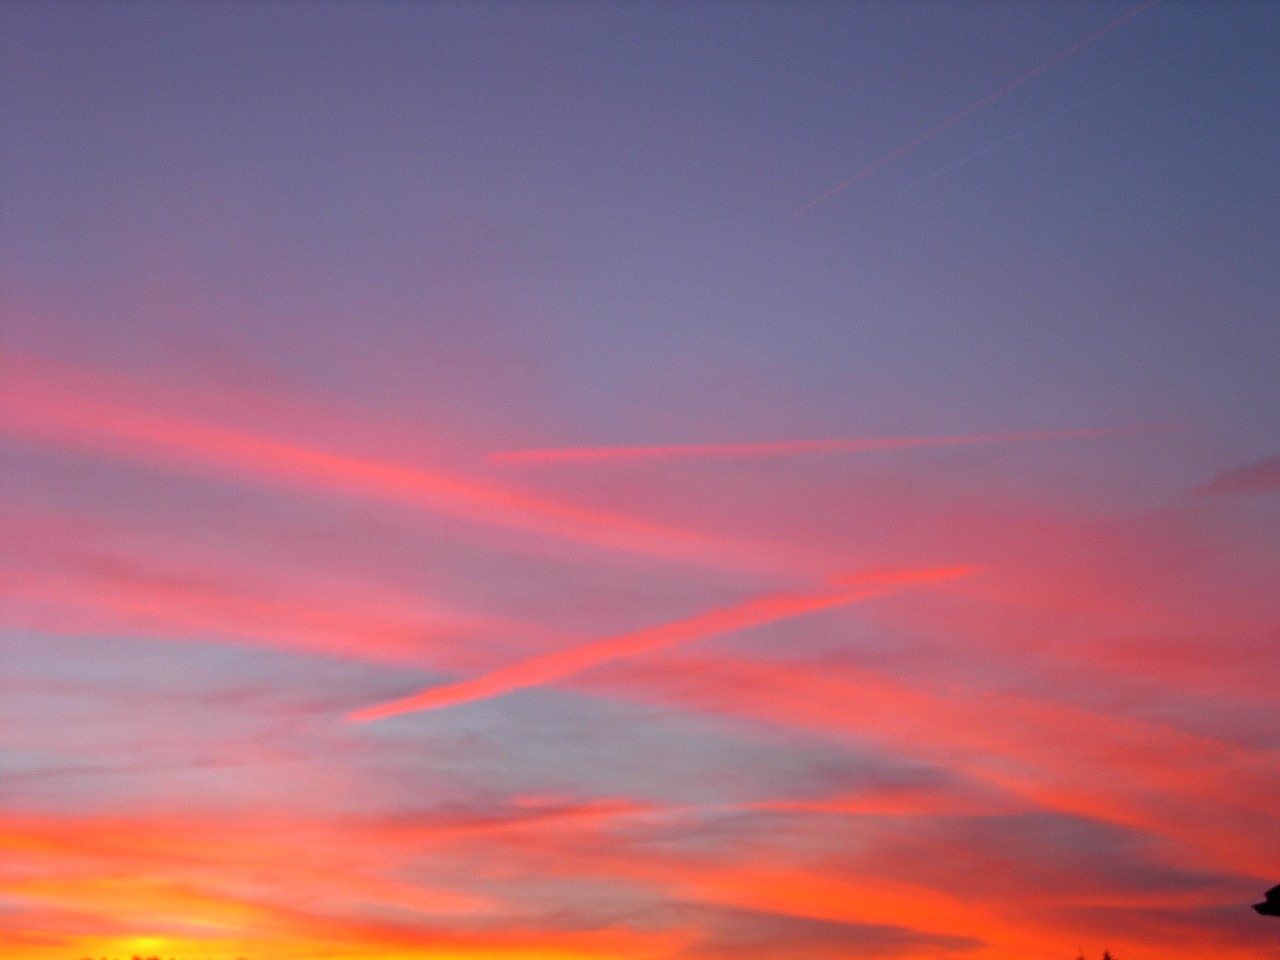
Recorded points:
(540,670)
(1010,137)
(974,107)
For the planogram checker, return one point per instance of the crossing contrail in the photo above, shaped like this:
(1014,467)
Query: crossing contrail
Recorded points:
(783,448)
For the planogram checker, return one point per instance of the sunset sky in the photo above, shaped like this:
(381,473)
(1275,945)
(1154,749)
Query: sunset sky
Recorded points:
(639,481)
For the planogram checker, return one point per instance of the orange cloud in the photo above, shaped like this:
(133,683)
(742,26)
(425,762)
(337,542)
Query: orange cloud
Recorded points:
(334,888)
(256,886)
(550,667)
(761,876)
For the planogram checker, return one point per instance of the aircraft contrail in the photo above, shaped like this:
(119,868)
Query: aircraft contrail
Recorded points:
(549,667)
(743,451)
(975,107)
(1021,132)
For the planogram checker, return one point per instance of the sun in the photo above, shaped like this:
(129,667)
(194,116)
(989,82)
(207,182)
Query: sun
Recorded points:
(143,944)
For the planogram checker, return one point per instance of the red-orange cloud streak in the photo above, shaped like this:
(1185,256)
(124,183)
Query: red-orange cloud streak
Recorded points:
(565,663)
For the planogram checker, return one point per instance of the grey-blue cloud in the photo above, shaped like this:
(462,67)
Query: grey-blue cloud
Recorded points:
(1261,476)
(735,933)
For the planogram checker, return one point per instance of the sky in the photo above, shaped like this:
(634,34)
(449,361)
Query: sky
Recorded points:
(639,481)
